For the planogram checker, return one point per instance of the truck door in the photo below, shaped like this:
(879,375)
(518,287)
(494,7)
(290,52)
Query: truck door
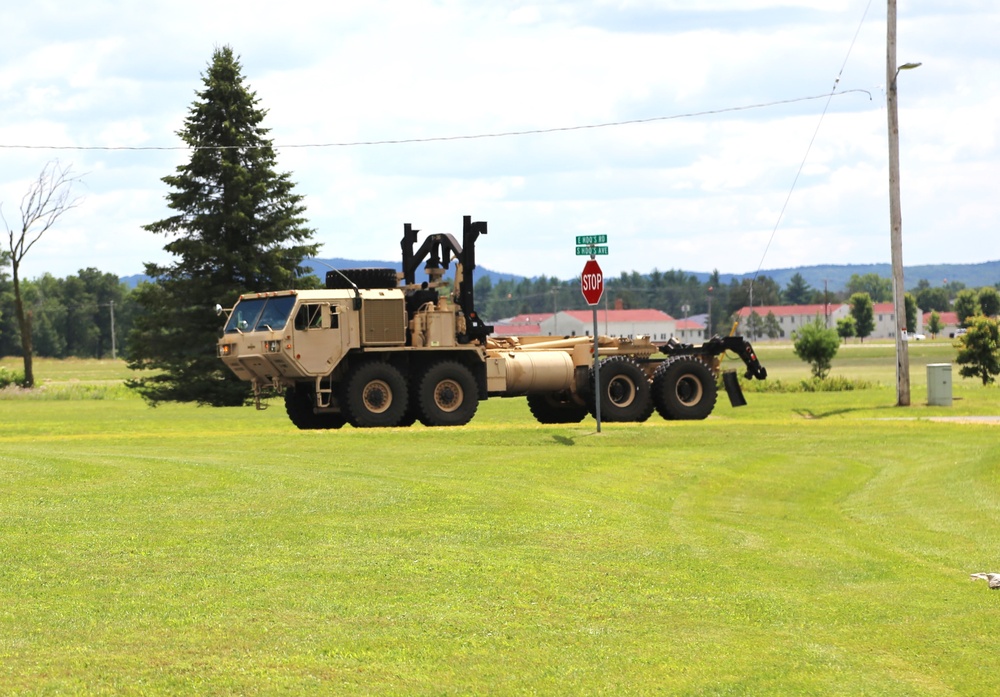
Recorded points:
(317,339)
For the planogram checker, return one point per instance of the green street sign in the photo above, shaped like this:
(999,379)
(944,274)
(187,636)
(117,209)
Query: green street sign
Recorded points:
(586,251)
(591,239)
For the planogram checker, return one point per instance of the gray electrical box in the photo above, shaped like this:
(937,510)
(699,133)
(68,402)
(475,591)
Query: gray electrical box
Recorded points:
(939,384)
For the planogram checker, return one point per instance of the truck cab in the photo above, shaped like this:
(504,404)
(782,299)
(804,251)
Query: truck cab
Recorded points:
(278,338)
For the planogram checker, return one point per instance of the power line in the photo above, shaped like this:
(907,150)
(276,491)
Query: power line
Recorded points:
(438,139)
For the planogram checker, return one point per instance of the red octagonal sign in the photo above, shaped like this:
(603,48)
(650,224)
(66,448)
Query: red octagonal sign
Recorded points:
(592,282)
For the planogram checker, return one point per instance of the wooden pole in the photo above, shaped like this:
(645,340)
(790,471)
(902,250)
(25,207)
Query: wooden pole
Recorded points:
(895,215)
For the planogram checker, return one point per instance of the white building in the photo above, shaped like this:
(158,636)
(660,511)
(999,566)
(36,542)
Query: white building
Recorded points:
(657,325)
(791,317)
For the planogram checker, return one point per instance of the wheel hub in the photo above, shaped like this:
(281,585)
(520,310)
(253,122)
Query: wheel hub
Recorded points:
(377,396)
(448,395)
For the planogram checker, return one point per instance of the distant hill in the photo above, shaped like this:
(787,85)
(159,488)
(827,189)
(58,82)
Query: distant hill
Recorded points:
(320,267)
(835,276)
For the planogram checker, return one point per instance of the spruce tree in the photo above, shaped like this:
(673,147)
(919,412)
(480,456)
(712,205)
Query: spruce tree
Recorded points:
(237,227)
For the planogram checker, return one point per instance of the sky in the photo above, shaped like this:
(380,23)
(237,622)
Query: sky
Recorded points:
(737,157)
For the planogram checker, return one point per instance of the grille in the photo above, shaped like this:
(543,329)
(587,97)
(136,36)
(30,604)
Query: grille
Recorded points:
(384,321)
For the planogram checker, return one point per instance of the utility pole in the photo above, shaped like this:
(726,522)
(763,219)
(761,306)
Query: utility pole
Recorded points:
(895,214)
(113,346)
(826,304)
(708,332)
(111,305)
(555,312)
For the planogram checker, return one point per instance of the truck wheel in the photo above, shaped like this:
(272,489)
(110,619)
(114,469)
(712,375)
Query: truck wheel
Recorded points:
(447,395)
(554,409)
(625,393)
(362,278)
(300,407)
(684,389)
(375,395)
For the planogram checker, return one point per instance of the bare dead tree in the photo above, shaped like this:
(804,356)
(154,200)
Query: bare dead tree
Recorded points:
(48,198)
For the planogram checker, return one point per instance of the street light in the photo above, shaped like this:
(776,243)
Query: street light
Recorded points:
(904,66)
(895,215)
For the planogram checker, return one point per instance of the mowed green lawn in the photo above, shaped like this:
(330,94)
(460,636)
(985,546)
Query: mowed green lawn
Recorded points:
(809,543)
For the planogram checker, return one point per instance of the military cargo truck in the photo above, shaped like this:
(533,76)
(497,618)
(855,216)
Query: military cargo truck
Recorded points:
(376,348)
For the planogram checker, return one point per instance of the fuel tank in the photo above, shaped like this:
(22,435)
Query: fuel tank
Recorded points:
(525,372)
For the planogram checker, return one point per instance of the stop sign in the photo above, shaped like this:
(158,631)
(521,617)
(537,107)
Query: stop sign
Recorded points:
(592,282)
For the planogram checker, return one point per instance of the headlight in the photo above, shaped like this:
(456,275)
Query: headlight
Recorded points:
(225,350)
(272,346)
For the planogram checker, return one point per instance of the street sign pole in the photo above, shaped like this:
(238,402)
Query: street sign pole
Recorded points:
(592,287)
(597,377)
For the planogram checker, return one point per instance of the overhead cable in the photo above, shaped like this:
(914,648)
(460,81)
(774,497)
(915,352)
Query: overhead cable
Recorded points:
(434,139)
(805,157)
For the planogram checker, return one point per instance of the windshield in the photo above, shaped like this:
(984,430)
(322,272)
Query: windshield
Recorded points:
(258,314)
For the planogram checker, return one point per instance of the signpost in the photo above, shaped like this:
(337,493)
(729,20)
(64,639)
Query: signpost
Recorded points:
(592,287)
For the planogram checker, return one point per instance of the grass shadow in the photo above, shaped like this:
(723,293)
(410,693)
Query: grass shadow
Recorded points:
(810,414)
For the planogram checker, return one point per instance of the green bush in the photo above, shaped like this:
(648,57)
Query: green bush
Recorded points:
(816,345)
(828,384)
(979,349)
(11,377)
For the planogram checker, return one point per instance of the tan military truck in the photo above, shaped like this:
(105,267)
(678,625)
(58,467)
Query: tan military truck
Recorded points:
(376,348)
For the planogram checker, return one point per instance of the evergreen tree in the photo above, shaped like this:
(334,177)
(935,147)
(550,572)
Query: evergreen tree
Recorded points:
(797,291)
(237,227)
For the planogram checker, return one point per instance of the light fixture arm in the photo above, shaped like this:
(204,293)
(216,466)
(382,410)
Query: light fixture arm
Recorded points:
(904,66)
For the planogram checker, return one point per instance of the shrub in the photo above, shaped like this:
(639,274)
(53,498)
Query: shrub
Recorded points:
(11,377)
(817,345)
(834,384)
(979,349)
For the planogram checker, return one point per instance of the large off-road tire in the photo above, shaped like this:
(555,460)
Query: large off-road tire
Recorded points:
(625,392)
(362,278)
(684,389)
(375,395)
(447,395)
(300,405)
(554,408)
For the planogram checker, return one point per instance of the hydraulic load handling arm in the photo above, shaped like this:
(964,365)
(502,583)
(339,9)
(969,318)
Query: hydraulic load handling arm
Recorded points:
(718,345)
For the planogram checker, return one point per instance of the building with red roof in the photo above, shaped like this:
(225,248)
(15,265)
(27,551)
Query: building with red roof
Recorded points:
(949,322)
(791,317)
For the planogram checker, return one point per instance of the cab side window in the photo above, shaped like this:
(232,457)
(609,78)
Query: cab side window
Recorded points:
(309,317)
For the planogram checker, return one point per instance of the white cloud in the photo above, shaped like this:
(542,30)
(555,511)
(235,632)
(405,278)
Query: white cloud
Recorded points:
(698,193)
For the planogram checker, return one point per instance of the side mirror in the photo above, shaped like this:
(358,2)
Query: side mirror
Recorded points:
(218,309)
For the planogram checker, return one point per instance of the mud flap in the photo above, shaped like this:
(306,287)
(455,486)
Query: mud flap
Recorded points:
(732,385)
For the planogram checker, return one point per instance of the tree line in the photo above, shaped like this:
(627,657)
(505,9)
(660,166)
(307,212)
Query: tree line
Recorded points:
(74,316)
(86,315)
(681,294)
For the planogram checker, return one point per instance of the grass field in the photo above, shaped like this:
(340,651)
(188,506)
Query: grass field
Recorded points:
(809,543)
